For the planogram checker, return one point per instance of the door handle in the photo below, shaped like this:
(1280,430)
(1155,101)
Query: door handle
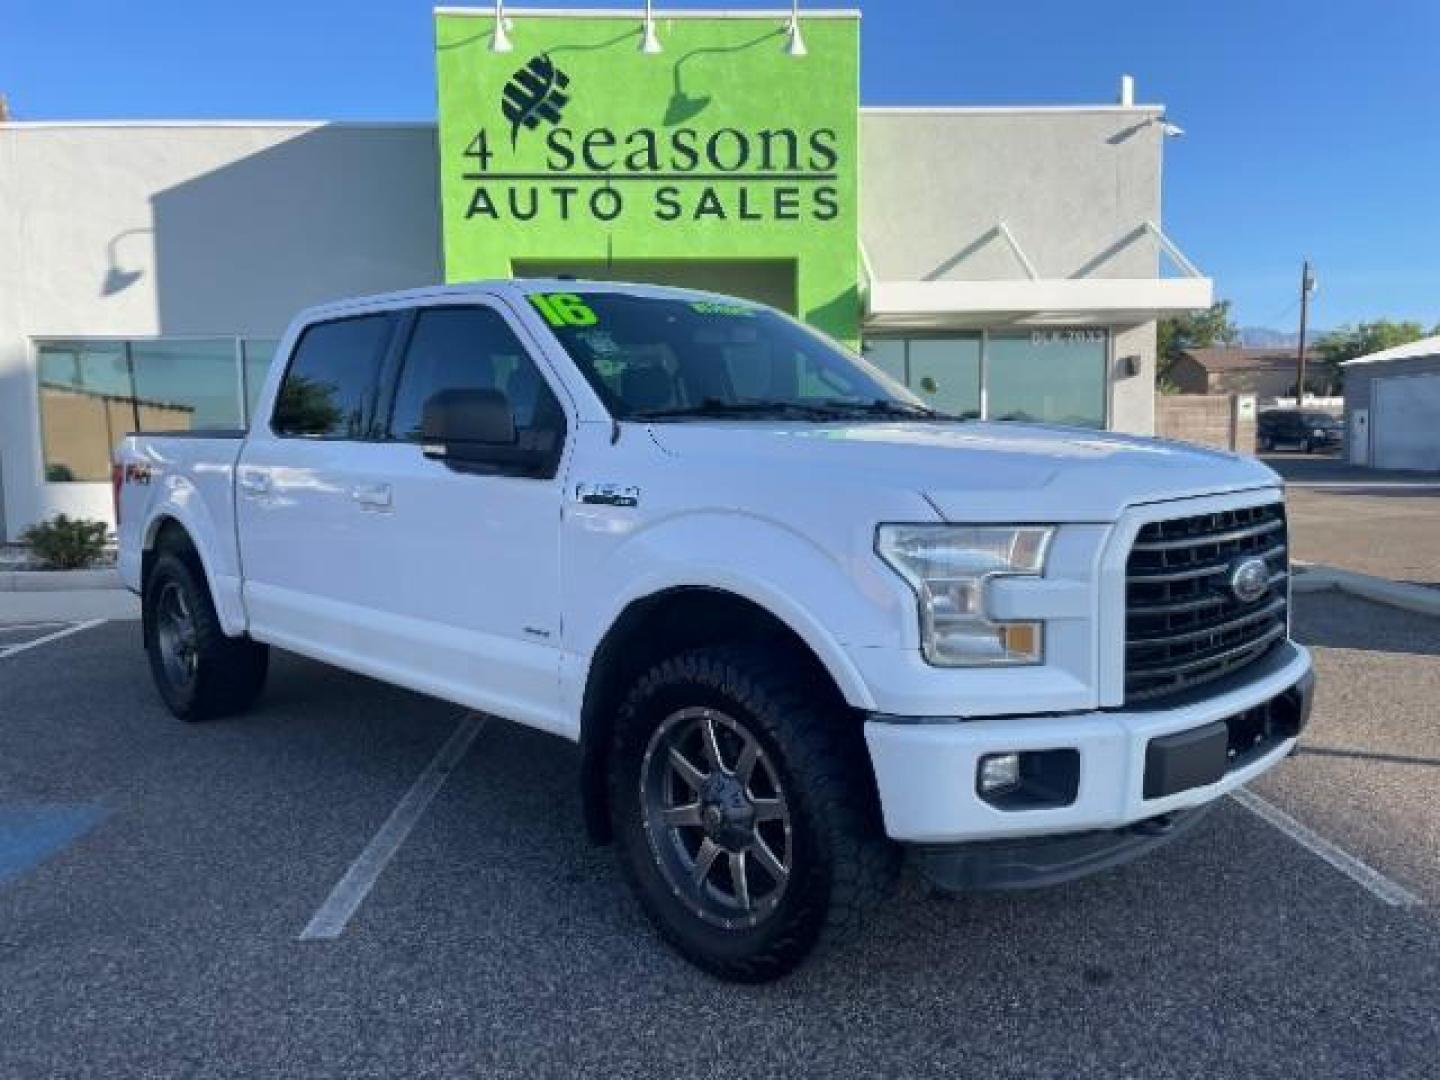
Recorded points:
(372,496)
(254,483)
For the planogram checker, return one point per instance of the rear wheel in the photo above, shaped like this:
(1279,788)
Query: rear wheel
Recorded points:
(199,672)
(745,811)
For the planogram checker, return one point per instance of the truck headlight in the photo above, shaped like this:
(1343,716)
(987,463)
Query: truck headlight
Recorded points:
(950,567)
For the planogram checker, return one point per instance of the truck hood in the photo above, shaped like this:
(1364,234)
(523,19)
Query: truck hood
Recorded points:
(973,471)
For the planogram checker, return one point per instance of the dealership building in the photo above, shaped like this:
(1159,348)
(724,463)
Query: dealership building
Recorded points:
(1007,263)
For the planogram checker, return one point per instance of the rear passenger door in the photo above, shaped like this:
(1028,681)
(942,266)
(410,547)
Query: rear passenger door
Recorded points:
(469,593)
(306,544)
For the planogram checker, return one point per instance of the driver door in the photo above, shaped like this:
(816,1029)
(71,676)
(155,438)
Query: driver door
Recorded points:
(469,592)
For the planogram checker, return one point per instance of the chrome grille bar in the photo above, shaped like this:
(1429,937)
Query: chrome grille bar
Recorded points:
(1185,623)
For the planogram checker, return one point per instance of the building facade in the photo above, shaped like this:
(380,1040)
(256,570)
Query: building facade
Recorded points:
(1392,407)
(1267,373)
(1003,262)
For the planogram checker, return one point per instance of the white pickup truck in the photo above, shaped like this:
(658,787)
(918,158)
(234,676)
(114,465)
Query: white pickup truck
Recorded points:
(799,623)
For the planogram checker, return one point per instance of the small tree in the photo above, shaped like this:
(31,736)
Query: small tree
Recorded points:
(1347,342)
(66,543)
(1193,330)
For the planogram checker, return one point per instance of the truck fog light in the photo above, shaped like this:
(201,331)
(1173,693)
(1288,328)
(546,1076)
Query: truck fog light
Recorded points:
(998,773)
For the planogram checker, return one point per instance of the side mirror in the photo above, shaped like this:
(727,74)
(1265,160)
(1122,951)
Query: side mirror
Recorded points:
(474,430)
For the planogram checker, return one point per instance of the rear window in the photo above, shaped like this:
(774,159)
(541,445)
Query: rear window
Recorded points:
(329,388)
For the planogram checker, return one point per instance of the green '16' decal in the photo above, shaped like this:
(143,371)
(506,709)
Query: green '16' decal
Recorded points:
(564,309)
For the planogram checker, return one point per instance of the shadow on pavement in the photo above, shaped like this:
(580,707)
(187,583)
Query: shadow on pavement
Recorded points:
(1333,620)
(1303,468)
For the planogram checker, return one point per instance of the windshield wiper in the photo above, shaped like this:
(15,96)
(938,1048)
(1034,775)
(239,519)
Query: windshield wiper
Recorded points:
(889,407)
(717,407)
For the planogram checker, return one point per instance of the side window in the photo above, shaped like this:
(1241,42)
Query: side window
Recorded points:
(473,348)
(329,387)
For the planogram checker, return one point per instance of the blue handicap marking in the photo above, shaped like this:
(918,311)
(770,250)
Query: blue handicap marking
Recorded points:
(32,832)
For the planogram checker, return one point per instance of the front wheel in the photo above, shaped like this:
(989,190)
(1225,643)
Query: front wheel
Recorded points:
(745,811)
(199,672)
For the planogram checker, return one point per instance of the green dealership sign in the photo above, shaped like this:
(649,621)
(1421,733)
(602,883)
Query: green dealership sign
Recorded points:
(577,149)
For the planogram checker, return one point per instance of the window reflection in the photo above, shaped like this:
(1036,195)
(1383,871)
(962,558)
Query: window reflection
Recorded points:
(1053,376)
(946,373)
(258,352)
(94,393)
(86,407)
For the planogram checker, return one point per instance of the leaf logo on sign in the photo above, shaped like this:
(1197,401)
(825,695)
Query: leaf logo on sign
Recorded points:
(534,93)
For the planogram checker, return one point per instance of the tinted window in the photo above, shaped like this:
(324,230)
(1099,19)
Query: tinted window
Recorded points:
(473,348)
(329,388)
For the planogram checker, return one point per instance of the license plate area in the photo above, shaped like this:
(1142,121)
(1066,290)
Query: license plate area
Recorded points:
(1205,754)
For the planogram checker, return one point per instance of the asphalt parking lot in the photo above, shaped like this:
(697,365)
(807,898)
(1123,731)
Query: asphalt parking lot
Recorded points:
(1371,521)
(157,878)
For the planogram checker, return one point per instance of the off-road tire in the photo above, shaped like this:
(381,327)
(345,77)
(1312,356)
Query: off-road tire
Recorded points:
(842,865)
(228,673)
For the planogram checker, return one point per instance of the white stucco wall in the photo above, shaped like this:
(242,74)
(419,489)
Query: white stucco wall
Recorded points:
(1075,186)
(215,228)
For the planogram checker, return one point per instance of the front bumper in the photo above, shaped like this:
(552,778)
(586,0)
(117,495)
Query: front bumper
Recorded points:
(1134,765)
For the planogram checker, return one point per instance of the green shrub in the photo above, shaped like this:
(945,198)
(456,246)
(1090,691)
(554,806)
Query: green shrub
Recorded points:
(66,543)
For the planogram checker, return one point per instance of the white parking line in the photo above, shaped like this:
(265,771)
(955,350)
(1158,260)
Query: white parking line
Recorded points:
(7,651)
(1367,877)
(350,891)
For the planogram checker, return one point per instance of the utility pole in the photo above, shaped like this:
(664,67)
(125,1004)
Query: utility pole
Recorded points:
(1307,286)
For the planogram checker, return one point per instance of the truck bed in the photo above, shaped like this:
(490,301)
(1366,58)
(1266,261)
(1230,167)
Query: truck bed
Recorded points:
(196,471)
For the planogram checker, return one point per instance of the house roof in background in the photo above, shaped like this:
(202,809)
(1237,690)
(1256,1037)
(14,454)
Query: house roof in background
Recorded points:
(1429,346)
(1241,358)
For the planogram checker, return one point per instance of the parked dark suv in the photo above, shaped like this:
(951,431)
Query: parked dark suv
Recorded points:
(1303,429)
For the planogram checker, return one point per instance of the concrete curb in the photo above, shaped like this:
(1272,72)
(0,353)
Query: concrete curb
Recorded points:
(59,580)
(1398,594)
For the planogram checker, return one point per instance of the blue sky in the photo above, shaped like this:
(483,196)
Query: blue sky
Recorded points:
(1311,128)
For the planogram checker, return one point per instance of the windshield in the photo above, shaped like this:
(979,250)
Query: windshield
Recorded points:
(1319,419)
(672,358)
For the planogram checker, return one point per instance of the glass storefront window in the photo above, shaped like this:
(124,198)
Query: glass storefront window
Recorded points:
(258,354)
(1054,376)
(887,354)
(945,372)
(94,393)
(186,384)
(1051,376)
(86,407)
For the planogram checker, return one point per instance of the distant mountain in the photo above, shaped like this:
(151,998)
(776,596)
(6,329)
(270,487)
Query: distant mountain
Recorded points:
(1262,337)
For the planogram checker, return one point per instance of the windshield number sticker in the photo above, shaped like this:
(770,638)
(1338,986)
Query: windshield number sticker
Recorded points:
(711,307)
(564,309)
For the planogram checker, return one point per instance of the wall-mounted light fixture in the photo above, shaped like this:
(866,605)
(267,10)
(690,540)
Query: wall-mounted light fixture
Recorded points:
(500,42)
(794,43)
(1130,366)
(650,42)
(1169,127)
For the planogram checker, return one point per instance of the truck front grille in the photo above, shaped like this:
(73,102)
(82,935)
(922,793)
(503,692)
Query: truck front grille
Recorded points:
(1184,622)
